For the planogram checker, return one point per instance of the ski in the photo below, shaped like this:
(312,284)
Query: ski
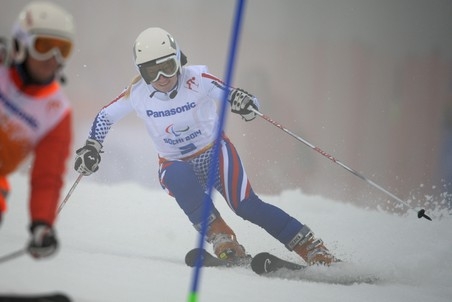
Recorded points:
(209,260)
(265,263)
(269,265)
(35,298)
(261,264)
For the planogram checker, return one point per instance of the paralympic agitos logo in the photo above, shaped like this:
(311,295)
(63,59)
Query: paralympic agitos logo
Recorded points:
(172,111)
(176,132)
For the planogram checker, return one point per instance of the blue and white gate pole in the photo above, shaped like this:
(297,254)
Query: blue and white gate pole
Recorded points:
(193,295)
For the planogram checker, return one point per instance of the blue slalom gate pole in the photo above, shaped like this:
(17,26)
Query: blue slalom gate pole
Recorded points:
(193,295)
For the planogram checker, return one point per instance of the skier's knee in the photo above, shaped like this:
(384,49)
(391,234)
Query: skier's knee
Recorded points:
(274,220)
(174,173)
(248,209)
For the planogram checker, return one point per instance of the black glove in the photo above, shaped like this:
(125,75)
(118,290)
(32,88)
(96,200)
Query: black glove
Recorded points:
(88,157)
(43,242)
(241,101)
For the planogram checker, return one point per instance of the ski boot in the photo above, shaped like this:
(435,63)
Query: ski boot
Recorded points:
(311,249)
(225,244)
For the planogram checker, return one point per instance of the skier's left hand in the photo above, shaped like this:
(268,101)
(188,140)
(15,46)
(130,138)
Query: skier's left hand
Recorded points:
(43,242)
(241,101)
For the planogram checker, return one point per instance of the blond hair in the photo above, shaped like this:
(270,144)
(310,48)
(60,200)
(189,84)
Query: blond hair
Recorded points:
(129,88)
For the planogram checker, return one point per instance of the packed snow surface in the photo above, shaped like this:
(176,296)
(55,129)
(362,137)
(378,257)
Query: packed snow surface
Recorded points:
(125,242)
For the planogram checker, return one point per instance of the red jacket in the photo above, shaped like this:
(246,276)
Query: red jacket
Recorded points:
(35,120)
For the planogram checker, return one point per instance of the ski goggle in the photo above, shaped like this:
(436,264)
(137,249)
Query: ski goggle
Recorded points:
(44,47)
(152,70)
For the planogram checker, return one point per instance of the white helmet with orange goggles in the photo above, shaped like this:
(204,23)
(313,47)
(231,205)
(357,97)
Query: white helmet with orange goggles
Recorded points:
(156,53)
(44,30)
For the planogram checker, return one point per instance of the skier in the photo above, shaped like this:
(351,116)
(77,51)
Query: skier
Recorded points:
(178,106)
(36,116)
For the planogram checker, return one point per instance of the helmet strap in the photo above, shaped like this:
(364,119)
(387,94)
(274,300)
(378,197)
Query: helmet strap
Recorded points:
(19,52)
(183,59)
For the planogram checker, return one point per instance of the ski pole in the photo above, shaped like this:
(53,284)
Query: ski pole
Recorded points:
(70,192)
(12,255)
(420,213)
(23,251)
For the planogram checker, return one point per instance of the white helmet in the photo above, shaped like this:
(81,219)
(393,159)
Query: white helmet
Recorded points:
(39,19)
(156,46)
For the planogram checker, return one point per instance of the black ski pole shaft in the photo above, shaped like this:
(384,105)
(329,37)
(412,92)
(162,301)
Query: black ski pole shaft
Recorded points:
(420,213)
(12,255)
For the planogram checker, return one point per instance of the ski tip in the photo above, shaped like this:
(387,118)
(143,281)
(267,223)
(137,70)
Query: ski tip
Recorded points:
(264,263)
(61,298)
(57,297)
(192,256)
(258,264)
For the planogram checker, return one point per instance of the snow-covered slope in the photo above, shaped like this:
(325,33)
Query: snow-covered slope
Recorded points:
(127,243)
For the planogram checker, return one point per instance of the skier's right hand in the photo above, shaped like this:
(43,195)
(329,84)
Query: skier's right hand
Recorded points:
(43,242)
(88,157)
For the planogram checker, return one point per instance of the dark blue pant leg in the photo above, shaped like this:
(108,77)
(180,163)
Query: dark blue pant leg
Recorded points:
(275,221)
(180,179)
